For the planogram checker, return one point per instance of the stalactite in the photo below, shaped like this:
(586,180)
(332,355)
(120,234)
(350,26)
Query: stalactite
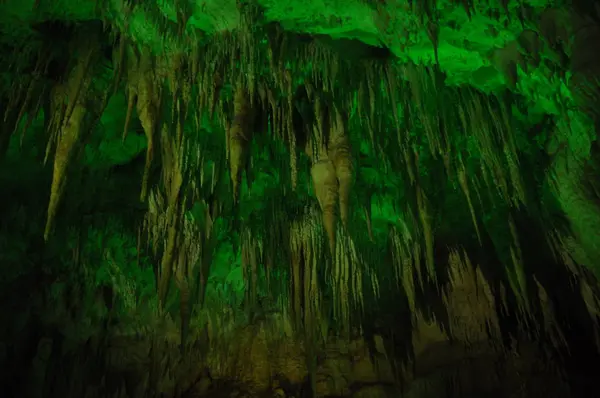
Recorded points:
(370,79)
(311,253)
(209,243)
(215,91)
(341,156)
(239,138)
(31,91)
(67,143)
(33,112)
(245,241)
(296,239)
(462,179)
(254,259)
(183,283)
(517,276)
(406,154)
(551,325)
(424,208)
(269,263)
(306,251)
(341,283)
(333,74)
(8,125)
(591,298)
(70,125)
(274,109)
(119,60)
(470,302)
(392,86)
(475,119)
(327,191)
(290,128)
(172,155)
(404,263)
(323,172)
(147,89)
(367,211)
(420,85)
(204,87)
(503,126)
(131,99)
(174,77)
(308,320)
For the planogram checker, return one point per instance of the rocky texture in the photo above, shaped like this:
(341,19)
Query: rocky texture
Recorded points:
(299,198)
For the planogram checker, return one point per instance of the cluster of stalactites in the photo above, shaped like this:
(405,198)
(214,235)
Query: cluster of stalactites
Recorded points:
(564,247)
(332,168)
(408,90)
(314,273)
(328,144)
(306,257)
(419,99)
(406,259)
(181,241)
(252,254)
(471,303)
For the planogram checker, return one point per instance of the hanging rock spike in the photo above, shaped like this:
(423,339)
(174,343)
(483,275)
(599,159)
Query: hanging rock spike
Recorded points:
(71,126)
(341,155)
(239,136)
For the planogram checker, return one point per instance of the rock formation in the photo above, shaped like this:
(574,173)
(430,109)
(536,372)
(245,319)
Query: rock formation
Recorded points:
(359,198)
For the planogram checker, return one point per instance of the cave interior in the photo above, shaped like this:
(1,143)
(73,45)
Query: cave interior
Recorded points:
(299,198)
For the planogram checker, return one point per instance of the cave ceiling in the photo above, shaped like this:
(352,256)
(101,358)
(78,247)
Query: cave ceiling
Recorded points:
(470,33)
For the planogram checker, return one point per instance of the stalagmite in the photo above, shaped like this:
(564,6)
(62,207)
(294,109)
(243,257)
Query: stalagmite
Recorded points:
(239,137)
